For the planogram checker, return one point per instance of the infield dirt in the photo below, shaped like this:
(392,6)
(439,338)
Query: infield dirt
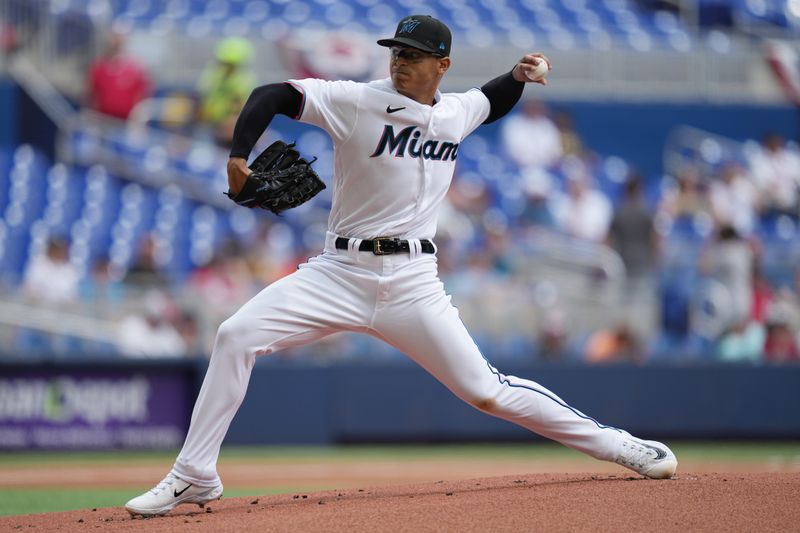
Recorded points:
(702,501)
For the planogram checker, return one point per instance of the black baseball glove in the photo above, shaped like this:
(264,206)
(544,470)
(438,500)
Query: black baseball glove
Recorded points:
(280,180)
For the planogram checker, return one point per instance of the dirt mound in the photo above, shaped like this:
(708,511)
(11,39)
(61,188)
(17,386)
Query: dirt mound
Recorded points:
(544,502)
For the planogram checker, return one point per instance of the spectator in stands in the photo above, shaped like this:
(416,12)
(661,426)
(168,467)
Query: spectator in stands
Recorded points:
(571,143)
(9,40)
(632,234)
(460,220)
(145,271)
(151,333)
(734,199)
(103,284)
(538,187)
(742,343)
(225,282)
(187,325)
(730,260)
(613,345)
(687,198)
(776,168)
(763,295)
(224,86)
(553,338)
(584,212)
(530,138)
(117,82)
(272,250)
(455,232)
(50,278)
(781,344)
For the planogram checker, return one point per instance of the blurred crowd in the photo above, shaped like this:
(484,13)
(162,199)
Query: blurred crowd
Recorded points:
(120,86)
(711,231)
(693,244)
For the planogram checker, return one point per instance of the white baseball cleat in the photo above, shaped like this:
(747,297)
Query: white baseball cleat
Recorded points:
(171,491)
(647,457)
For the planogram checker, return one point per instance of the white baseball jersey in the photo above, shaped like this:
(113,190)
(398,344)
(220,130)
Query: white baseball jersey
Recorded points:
(395,157)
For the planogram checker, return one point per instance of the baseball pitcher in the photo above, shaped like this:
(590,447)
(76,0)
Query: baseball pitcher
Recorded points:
(396,142)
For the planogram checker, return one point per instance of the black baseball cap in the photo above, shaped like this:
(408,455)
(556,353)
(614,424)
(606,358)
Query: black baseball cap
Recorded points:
(422,32)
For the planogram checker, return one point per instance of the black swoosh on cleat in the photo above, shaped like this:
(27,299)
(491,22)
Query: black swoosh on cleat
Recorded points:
(176,493)
(660,454)
(390,109)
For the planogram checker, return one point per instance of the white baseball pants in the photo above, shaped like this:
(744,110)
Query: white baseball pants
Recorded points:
(397,298)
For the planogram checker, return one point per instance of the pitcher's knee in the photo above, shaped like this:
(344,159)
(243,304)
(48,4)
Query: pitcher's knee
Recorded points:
(233,335)
(485,404)
(478,393)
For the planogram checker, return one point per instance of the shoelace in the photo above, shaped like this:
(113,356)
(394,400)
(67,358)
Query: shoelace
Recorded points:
(635,454)
(164,483)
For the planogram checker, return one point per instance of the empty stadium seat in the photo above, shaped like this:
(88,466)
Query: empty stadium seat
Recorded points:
(563,25)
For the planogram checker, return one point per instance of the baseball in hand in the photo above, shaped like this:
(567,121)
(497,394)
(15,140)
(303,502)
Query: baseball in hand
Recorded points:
(539,72)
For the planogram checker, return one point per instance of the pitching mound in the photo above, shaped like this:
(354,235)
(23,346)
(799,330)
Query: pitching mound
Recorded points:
(542,502)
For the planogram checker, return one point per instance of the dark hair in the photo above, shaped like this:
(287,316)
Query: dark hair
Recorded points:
(633,185)
(728,233)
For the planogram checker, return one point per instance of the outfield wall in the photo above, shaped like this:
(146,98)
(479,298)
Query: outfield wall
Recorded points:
(81,405)
(99,405)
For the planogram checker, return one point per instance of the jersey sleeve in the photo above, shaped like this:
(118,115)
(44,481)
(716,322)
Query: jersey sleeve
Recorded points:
(476,109)
(331,105)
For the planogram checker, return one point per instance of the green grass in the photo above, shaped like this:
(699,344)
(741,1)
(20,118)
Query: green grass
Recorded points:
(34,501)
(744,451)
(31,501)
(25,501)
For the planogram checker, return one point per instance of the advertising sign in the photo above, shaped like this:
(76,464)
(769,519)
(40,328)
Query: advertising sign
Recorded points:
(98,408)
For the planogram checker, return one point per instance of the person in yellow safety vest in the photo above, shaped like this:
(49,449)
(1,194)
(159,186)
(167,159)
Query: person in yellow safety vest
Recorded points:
(224,86)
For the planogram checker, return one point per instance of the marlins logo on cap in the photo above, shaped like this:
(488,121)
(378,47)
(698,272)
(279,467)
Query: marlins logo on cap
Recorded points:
(422,32)
(407,26)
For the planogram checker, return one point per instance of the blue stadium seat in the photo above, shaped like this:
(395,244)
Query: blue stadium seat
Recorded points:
(564,24)
(771,12)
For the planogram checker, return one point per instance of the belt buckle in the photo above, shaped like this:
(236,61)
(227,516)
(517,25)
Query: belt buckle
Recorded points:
(379,243)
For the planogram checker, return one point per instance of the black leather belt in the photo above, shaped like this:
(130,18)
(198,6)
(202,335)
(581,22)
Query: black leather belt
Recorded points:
(385,245)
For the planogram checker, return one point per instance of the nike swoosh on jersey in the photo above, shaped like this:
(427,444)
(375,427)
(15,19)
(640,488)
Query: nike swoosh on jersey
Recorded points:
(390,109)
